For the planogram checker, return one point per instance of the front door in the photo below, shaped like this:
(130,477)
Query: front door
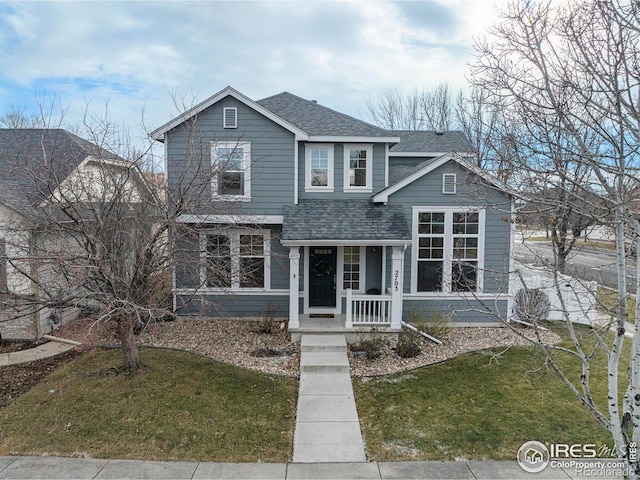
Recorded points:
(322,276)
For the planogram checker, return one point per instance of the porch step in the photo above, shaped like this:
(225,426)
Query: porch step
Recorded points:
(323,343)
(324,362)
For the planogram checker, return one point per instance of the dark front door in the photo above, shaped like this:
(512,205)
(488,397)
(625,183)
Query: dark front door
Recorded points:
(322,276)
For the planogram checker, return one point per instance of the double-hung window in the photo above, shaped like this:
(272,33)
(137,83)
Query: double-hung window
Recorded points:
(236,259)
(448,246)
(319,167)
(358,168)
(231,162)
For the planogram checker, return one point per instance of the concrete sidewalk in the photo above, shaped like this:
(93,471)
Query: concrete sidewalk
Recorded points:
(52,348)
(327,427)
(85,468)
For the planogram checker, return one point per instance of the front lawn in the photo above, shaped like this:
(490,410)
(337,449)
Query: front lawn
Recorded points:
(180,407)
(474,407)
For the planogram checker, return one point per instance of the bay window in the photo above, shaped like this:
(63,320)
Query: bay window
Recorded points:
(447,252)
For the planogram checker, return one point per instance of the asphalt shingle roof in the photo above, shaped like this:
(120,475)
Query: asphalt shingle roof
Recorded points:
(358,220)
(34,161)
(318,120)
(430,141)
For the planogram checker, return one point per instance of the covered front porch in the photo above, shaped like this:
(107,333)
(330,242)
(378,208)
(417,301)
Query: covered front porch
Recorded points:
(346,266)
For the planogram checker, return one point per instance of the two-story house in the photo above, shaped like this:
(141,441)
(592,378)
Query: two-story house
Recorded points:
(333,220)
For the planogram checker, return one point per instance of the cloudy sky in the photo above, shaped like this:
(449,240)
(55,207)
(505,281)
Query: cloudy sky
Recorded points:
(139,55)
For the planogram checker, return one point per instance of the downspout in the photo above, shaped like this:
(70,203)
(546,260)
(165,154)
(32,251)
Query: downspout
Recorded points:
(425,335)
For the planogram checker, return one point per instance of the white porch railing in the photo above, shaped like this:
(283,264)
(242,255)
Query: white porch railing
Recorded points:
(367,309)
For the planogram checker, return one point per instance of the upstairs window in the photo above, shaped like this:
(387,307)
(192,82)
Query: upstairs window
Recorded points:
(358,167)
(319,167)
(230,117)
(232,164)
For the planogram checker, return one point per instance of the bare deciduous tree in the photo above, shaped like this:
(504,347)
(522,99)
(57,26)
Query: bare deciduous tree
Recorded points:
(570,75)
(97,231)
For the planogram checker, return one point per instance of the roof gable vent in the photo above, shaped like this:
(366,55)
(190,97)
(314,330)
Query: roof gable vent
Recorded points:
(230,117)
(449,183)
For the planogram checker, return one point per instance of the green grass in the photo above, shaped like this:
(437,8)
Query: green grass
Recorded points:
(477,407)
(179,407)
(607,301)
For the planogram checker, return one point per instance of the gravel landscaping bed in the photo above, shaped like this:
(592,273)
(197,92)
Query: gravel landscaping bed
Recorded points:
(241,343)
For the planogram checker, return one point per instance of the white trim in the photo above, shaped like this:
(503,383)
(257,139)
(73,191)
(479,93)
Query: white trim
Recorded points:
(296,171)
(329,242)
(368,186)
(307,167)
(512,260)
(225,92)
(444,183)
(240,219)
(448,249)
(454,296)
(234,246)
(352,139)
(234,117)
(386,165)
(246,163)
(428,154)
(243,292)
(383,196)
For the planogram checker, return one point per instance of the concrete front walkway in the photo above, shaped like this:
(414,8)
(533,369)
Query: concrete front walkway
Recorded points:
(327,426)
(89,468)
(52,348)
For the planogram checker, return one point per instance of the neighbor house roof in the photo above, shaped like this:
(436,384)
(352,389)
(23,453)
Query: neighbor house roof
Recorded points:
(344,221)
(320,121)
(425,141)
(35,161)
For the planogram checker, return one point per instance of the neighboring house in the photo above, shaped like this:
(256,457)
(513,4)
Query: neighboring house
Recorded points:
(322,215)
(39,168)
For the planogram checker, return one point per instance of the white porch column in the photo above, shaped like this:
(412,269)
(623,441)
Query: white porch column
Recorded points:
(294,286)
(397,286)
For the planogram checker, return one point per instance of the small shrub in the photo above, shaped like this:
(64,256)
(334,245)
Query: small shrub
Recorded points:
(371,347)
(532,305)
(436,324)
(267,323)
(408,345)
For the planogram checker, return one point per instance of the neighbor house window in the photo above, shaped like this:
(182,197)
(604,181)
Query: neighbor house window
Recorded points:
(237,259)
(352,273)
(232,165)
(448,250)
(357,167)
(319,167)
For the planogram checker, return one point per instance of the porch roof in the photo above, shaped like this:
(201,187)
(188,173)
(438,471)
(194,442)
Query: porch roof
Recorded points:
(342,222)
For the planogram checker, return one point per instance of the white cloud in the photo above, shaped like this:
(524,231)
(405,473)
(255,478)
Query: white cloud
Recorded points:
(134,53)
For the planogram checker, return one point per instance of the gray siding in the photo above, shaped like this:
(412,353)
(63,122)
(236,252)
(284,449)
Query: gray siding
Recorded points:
(188,149)
(468,311)
(232,305)
(338,174)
